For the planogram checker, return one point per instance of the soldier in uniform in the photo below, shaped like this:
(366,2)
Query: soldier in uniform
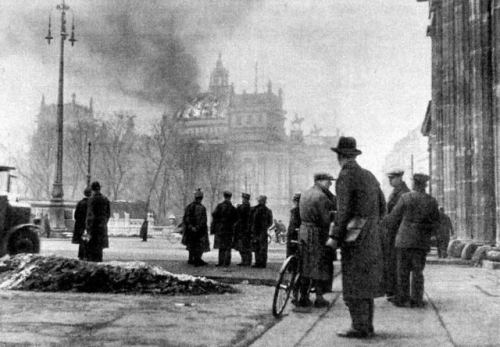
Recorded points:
(361,204)
(293,227)
(261,218)
(223,218)
(390,266)
(98,213)
(316,206)
(242,237)
(79,228)
(195,235)
(416,215)
(444,232)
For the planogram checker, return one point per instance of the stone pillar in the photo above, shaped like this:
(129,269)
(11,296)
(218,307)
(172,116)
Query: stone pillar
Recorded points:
(459,116)
(495,30)
(437,172)
(483,181)
(449,111)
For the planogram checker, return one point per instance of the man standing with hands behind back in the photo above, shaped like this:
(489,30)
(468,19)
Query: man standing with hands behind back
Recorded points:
(98,213)
(360,204)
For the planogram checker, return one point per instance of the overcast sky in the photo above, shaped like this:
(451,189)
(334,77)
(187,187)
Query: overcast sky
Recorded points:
(362,66)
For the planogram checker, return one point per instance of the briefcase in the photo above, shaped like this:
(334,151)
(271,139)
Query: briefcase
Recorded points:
(354,228)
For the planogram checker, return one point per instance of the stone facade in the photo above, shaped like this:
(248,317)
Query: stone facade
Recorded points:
(462,118)
(265,159)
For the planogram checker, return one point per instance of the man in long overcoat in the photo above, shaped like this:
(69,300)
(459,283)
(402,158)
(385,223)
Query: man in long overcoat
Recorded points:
(390,264)
(223,218)
(261,218)
(195,236)
(359,198)
(98,213)
(242,237)
(443,234)
(416,217)
(316,207)
(80,217)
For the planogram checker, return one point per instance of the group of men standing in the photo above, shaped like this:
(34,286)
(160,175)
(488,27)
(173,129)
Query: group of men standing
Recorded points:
(243,228)
(379,252)
(91,224)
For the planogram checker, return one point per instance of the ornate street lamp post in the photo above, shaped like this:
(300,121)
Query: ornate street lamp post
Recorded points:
(57,205)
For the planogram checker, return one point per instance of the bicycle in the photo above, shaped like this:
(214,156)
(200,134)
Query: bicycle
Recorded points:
(279,238)
(288,282)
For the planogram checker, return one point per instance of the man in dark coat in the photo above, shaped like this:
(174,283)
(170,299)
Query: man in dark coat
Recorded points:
(261,218)
(98,213)
(361,204)
(195,235)
(242,237)
(443,234)
(80,217)
(293,227)
(316,207)
(416,217)
(390,265)
(223,218)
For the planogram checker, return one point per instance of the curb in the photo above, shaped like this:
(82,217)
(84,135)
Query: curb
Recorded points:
(449,261)
(238,280)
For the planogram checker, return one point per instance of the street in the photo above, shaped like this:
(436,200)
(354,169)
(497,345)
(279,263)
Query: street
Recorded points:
(462,311)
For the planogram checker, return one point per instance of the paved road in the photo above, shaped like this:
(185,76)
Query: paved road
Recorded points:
(463,310)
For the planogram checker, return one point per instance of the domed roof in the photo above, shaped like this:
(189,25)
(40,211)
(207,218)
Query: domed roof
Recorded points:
(205,105)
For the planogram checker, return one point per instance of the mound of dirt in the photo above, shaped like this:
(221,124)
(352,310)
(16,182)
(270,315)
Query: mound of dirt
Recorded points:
(54,274)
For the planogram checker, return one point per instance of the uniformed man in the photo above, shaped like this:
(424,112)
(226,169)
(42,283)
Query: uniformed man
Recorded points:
(80,217)
(390,265)
(223,218)
(316,206)
(261,218)
(360,204)
(416,216)
(293,227)
(443,234)
(242,237)
(195,235)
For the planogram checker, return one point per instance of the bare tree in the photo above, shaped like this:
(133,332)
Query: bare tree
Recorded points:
(158,151)
(114,151)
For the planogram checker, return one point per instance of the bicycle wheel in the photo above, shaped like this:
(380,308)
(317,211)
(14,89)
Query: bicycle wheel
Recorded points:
(287,280)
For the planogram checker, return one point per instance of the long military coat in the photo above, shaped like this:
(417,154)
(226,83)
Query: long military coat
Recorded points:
(389,238)
(223,219)
(242,236)
(417,216)
(315,207)
(98,213)
(195,235)
(261,219)
(293,231)
(80,216)
(359,195)
(445,227)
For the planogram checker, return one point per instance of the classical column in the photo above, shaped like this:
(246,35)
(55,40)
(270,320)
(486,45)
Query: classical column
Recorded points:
(459,95)
(437,102)
(495,39)
(483,184)
(449,110)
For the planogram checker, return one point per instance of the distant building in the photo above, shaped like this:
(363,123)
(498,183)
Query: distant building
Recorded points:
(409,154)
(266,159)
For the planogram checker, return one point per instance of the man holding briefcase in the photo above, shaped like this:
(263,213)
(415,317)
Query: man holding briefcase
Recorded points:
(360,204)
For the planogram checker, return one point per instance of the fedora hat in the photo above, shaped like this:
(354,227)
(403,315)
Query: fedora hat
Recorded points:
(346,145)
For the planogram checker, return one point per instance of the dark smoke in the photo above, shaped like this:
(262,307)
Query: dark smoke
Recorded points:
(144,49)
